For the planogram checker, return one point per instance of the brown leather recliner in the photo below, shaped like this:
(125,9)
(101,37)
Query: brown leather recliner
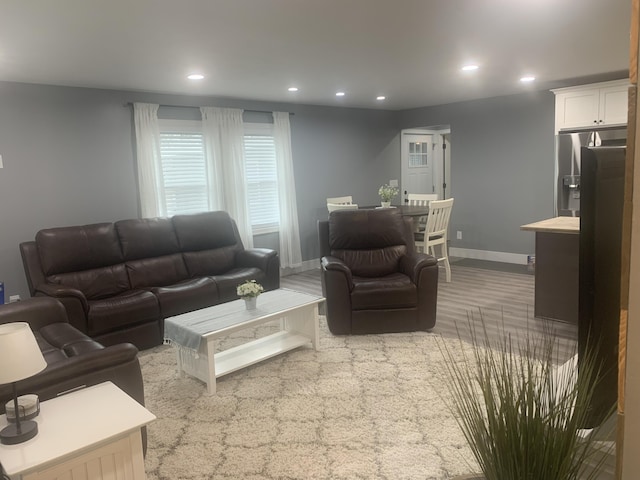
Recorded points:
(372,278)
(73,359)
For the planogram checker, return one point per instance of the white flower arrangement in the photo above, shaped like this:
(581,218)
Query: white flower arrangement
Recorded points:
(387,192)
(249,289)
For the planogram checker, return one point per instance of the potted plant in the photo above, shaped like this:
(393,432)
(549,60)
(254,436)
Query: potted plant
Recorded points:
(387,192)
(249,292)
(520,411)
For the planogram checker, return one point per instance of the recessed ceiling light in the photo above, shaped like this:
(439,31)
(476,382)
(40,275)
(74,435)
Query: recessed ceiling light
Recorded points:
(293,89)
(470,68)
(339,94)
(527,78)
(381,97)
(195,76)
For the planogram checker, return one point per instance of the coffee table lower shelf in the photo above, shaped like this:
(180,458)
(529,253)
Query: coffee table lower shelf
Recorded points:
(238,357)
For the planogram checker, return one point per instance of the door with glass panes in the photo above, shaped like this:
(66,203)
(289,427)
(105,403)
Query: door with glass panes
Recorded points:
(417,164)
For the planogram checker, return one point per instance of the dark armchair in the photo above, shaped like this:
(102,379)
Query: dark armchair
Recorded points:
(372,278)
(73,359)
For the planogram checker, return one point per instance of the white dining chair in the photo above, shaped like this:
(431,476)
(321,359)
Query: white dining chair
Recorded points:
(436,232)
(332,207)
(421,200)
(346,200)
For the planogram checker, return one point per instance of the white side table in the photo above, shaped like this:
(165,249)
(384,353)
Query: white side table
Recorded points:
(93,433)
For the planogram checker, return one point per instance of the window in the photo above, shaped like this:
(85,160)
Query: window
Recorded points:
(184,169)
(262,177)
(184,172)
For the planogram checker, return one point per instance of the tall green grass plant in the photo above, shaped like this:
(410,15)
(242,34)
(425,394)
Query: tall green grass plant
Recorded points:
(519,411)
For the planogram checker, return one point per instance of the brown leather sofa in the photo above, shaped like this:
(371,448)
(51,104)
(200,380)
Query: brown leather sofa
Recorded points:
(372,278)
(118,281)
(73,359)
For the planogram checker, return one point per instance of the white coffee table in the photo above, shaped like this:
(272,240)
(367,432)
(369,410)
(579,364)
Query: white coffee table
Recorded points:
(194,334)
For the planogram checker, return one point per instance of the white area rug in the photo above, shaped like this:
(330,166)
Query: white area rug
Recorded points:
(361,407)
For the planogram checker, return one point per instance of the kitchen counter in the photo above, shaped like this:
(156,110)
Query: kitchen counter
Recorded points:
(555,225)
(556,274)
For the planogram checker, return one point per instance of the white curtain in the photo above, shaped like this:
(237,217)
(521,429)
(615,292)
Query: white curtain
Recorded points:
(290,255)
(148,158)
(223,133)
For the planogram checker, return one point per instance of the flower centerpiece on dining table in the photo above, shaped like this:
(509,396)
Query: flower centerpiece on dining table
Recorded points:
(387,192)
(249,292)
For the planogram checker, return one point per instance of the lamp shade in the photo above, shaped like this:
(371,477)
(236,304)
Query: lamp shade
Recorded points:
(20,356)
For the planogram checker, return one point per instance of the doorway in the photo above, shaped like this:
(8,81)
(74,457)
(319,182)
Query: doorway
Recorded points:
(425,157)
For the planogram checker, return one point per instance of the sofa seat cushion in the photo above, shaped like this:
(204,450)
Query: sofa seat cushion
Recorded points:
(156,271)
(388,292)
(59,341)
(229,281)
(124,310)
(186,296)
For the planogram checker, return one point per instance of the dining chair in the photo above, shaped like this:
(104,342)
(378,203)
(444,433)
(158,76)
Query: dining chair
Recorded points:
(436,232)
(346,200)
(341,206)
(420,199)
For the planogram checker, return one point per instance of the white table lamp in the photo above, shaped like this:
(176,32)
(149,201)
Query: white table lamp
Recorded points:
(20,358)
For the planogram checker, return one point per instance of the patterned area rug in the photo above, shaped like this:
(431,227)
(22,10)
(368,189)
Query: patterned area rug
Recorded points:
(360,407)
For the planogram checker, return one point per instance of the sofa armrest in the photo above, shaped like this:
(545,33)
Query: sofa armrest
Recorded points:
(255,257)
(117,363)
(337,266)
(337,285)
(412,264)
(266,260)
(38,312)
(61,291)
(74,301)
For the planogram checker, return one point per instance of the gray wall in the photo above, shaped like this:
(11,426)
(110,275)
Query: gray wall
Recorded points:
(69,160)
(502,167)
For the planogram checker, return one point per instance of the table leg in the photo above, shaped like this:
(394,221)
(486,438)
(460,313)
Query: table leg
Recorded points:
(305,321)
(211,366)
(179,361)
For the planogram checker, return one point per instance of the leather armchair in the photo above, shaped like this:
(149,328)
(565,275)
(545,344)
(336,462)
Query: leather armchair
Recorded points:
(372,278)
(73,359)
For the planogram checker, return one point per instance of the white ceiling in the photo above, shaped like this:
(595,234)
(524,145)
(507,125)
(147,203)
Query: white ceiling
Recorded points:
(409,50)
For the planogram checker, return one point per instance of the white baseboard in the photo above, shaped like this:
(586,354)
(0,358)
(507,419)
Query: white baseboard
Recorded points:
(518,258)
(306,265)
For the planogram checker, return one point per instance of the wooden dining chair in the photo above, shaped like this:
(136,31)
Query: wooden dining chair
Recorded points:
(422,200)
(436,232)
(346,200)
(332,207)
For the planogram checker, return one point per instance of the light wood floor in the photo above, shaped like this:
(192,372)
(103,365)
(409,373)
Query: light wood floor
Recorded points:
(503,299)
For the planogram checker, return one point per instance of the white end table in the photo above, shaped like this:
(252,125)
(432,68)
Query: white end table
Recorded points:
(92,433)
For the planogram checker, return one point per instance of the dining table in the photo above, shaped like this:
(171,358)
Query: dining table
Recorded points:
(405,210)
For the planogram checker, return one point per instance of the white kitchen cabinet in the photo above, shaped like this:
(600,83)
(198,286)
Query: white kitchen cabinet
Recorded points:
(594,105)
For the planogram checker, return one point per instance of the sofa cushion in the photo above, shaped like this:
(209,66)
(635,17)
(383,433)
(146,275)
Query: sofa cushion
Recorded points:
(156,271)
(229,281)
(366,229)
(388,292)
(95,283)
(124,310)
(71,249)
(210,262)
(186,296)
(369,242)
(147,237)
(372,263)
(205,231)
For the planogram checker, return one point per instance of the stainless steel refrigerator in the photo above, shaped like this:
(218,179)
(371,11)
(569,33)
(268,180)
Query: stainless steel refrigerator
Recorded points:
(568,168)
